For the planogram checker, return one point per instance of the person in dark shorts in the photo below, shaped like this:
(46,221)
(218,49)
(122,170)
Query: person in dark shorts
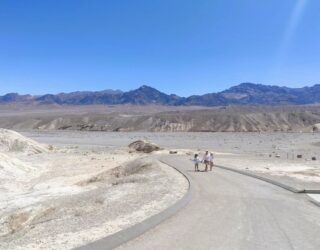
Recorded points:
(211,161)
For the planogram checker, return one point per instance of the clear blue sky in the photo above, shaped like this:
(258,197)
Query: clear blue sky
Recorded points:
(177,46)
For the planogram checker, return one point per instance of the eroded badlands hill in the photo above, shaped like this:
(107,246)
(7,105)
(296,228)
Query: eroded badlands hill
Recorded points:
(165,119)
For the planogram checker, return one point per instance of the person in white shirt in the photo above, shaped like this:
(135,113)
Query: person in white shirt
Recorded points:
(206,160)
(196,160)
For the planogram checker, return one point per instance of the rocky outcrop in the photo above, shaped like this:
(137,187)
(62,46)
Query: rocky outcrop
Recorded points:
(143,146)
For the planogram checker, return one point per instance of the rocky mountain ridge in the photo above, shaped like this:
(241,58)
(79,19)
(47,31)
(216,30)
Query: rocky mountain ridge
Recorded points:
(242,94)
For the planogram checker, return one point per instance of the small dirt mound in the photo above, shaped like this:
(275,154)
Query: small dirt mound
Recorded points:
(11,141)
(124,173)
(144,146)
(132,167)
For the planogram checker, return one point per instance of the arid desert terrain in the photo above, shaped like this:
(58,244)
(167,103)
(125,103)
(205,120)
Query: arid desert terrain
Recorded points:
(65,188)
(267,152)
(63,196)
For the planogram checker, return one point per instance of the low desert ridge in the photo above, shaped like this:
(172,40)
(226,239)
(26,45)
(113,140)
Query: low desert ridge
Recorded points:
(159,118)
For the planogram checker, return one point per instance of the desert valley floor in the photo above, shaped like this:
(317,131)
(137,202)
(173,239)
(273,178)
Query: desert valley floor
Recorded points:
(74,187)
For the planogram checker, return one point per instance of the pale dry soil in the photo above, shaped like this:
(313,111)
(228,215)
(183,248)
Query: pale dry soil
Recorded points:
(272,154)
(71,196)
(75,194)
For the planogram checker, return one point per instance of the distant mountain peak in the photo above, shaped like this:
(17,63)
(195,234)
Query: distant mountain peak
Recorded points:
(146,87)
(248,84)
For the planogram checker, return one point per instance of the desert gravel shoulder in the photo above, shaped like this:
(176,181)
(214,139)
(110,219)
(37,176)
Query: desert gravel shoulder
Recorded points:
(73,196)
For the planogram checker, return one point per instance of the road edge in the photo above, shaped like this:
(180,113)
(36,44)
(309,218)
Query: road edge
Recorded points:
(276,183)
(313,200)
(123,236)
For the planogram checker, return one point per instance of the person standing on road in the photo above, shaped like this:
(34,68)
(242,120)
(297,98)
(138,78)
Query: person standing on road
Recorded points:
(206,160)
(196,160)
(211,161)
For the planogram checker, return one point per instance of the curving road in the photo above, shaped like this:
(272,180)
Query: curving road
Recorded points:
(232,211)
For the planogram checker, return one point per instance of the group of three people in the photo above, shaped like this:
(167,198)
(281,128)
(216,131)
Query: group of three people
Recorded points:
(207,159)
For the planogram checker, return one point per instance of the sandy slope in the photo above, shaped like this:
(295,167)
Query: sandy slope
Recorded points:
(11,141)
(71,196)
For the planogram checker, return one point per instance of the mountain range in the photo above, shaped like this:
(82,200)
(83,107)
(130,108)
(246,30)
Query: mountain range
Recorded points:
(242,94)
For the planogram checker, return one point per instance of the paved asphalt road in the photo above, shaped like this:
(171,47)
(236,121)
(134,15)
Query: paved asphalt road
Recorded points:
(232,211)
